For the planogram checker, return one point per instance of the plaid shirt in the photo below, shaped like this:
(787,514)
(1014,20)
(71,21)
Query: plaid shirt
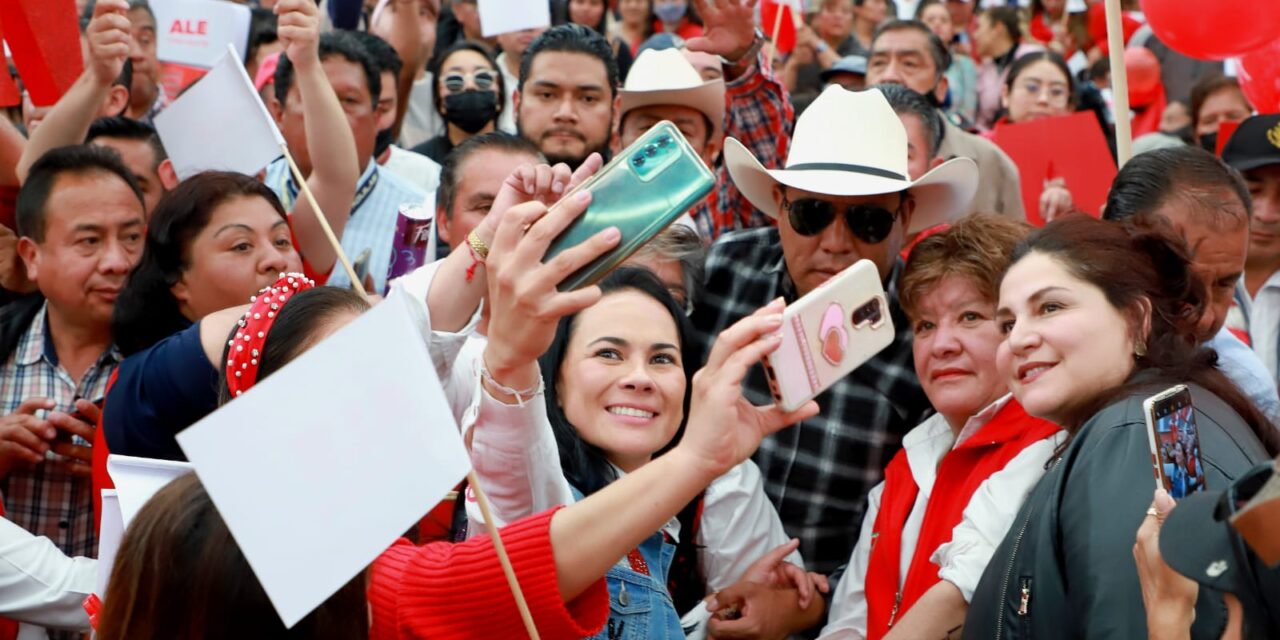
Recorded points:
(47,501)
(758,114)
(817,473)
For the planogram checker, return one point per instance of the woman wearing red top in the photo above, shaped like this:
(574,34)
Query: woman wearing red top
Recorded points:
(951,493)
(178,573)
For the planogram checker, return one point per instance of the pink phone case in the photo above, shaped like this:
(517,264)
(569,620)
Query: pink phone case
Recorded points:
(829,333)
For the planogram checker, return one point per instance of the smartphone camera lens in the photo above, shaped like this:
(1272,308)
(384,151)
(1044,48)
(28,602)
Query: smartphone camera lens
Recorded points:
(869,313)
(664,141)
(650,150)
(637,160)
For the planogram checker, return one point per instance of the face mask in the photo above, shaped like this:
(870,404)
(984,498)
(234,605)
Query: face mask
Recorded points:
(471,110)
(670,13)
(382,142)
(1209,142)
(1183,133)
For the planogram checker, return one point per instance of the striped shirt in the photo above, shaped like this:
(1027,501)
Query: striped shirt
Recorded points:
(817,473)
(46,500)
(372,224)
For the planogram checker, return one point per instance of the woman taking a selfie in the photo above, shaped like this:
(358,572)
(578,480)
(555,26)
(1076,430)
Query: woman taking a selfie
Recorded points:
(1097,317)
(559,554)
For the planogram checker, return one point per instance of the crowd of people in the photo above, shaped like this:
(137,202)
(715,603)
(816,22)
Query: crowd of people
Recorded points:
(988,474)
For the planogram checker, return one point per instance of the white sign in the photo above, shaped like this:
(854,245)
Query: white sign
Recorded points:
(220,123)
(504,16)
(197,32)
(320,467)
(137,479)
(109,535)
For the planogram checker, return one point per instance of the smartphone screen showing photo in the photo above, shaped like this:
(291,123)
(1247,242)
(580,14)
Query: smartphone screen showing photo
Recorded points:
(1176,442)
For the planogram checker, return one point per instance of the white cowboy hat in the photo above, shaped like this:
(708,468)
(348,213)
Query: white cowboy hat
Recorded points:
(666,77)
(853,144)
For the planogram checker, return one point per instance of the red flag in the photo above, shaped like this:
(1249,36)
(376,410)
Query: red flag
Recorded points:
(9,92)
(44,38)
(1069,147)
(778,21)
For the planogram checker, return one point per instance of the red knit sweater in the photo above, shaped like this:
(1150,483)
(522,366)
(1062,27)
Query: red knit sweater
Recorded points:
(445,590)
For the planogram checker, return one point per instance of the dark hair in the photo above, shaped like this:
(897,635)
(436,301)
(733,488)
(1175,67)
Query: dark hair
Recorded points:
(925,4)
(1199,181)
(1207,86)
(384,55)
(333,43)
(1027,59)
(128,129)
(495,141)
(1007,17)
(585,465)
(294,329)
(572,38)
(146,311)
(937,49)
(604,16)
(1132,264)
(437,64)
(907,102)
(78,159)
(262,30)
(180,574)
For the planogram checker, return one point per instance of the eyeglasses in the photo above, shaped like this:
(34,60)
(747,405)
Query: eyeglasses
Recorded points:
(868,223)
(484,80)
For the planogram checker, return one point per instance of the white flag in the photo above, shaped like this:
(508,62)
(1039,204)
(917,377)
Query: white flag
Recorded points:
(219,123)
(504,16)
(320,467)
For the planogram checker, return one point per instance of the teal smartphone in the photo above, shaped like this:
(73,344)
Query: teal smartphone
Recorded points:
(641,191)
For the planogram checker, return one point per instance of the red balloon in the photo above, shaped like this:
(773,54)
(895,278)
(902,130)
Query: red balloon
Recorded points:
(1214,30)
(1259,76)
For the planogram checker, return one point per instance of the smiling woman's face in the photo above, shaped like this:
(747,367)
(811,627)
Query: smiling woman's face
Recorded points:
(955,343)
(1064,342)
(622,382)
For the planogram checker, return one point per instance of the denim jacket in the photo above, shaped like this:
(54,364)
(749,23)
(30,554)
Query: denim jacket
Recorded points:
(640,606)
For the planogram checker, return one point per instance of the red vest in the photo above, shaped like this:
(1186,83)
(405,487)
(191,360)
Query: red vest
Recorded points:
(960,473)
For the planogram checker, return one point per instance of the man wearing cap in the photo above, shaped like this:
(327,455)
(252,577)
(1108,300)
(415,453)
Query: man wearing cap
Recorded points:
(844,195)
(665,85)
(849,72)
(1254,150)
(907,52)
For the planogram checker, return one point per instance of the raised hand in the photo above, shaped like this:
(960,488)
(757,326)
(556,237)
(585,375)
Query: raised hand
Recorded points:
(298,28)
(729,28)
(724,428)
(524,304)
(109,40)
(529,183)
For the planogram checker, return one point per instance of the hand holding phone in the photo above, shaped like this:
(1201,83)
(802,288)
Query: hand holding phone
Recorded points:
(828,333)
(642,190)
(1175,441)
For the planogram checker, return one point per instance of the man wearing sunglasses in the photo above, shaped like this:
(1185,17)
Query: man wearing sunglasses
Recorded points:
(845,194)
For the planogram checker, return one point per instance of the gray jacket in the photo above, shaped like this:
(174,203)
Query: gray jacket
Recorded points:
(1066,568)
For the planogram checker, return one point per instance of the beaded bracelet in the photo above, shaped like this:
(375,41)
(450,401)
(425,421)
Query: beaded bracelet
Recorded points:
(521,395)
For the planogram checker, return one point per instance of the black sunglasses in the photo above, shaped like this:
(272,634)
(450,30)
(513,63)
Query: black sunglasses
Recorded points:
(868,223)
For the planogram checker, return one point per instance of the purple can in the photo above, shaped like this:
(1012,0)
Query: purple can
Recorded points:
(413,234)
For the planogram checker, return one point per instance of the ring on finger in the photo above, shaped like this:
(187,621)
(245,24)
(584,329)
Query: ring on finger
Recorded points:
(1151,511)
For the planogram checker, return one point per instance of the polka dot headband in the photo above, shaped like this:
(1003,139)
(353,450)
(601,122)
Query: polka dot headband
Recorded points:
(244,351)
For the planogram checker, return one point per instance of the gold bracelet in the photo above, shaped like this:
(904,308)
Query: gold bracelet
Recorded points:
(478,247)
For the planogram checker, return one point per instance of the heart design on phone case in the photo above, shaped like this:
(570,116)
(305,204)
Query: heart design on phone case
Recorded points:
(834,338)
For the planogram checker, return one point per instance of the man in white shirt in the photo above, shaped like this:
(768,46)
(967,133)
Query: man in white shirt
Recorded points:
(513,45)
(1254,150)
(1208,204)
